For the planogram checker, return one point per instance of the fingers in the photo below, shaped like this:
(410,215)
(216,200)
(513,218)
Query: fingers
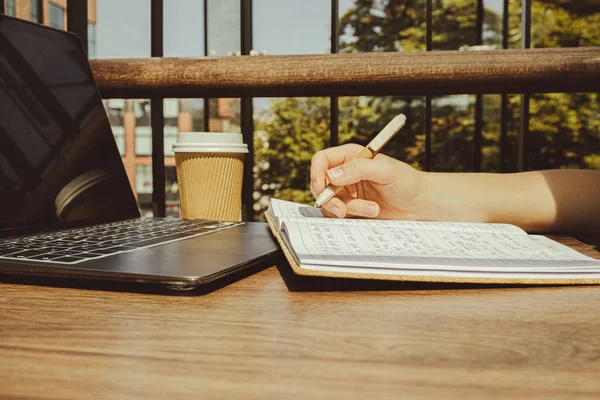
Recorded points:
(327,159)
(378,170)
(345,206)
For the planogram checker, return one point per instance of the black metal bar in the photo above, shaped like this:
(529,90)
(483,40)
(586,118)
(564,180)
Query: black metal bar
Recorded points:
(334,107)
(504,96)
(40,12)
(2,7)
(247,115)
(157,119)
(478,134)
(503,133)
(505,24)
(524,118)
(77,20)
(428,116)
(479,23)
(526,24)
(206,100)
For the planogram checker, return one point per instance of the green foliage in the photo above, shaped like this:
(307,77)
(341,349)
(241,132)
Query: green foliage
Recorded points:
(564,128)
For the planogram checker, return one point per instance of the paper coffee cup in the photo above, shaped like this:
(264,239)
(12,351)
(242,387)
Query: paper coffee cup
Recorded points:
(210,169)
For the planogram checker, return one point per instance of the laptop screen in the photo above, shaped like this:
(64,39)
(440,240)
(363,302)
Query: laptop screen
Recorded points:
(59,162)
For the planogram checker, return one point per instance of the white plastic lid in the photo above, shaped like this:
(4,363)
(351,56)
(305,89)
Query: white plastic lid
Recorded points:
(209,142)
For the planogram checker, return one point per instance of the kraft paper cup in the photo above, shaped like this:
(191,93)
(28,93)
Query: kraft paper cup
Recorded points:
(210,169)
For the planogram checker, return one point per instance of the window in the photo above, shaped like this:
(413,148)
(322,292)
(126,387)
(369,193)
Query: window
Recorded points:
(143,129)
(119,133)
(171,191)
(10,8)
(34,5)
(143,179)
(170,139)
(143,141)
(143,188)
(57,16)
(91,40)
(115,108)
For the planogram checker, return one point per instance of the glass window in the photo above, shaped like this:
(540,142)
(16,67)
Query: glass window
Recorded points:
(56,16)
(35,10)
(143,129)
(91,40)
(115,109)
(224,115)
(191,115)
(10,8)
(170,139)
(171,128)
(119,133)
(143,181)
(143,188)
(172,191)
(143,141)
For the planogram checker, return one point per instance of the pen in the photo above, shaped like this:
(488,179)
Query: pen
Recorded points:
(368,152)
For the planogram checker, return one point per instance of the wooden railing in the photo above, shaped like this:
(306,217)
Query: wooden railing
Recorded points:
(416,73)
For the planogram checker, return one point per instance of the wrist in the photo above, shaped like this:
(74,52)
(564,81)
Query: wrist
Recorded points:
(446,197)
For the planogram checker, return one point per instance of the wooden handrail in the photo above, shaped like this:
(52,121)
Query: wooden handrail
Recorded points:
(416,73)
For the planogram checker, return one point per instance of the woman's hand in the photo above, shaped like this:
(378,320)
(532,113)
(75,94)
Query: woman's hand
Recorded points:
(381,187)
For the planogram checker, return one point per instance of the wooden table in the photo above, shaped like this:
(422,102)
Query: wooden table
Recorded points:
(257,339)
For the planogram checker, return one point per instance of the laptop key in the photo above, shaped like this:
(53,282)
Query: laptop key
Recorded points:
(27,253)
(43,257)
(69,259)
(7,252)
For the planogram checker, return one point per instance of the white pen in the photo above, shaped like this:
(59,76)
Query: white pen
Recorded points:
(368,152)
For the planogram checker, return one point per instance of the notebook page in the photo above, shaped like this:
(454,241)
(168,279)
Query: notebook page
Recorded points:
(384,246)
(294,212)
(486,274)
(288,210)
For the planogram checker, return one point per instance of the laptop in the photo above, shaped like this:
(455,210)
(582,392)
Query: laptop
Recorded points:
(67,208)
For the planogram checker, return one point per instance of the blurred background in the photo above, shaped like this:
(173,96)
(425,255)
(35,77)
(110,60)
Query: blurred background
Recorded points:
(468,132)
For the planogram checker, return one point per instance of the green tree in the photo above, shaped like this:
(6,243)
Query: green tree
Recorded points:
(564,128)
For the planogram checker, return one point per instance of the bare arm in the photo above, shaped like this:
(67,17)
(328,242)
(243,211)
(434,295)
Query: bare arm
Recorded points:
(556,201)
(566,201)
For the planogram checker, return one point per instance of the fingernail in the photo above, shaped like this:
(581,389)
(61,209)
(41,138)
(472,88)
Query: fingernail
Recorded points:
(336,173)
(372,211)
(336,211)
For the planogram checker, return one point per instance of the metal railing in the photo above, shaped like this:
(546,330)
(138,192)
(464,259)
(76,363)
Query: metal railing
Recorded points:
(427,73)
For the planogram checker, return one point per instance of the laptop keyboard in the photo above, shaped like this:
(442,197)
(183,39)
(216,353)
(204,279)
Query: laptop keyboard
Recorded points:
(83,244)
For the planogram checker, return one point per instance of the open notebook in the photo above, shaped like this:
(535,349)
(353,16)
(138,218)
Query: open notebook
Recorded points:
(423,251)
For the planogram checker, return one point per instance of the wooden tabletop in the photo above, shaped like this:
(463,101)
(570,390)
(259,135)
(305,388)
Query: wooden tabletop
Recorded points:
(257,339)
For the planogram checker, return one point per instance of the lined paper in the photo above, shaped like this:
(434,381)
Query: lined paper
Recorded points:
(437,247)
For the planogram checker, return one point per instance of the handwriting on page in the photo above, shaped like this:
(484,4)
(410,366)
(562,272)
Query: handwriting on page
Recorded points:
(322,241)
(288,209)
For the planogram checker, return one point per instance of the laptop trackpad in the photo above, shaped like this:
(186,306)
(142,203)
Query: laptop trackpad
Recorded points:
(203,256)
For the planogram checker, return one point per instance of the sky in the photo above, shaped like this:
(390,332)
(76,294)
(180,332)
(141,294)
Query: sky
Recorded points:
(280,27)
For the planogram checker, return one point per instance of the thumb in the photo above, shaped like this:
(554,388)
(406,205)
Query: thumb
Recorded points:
(378,170)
